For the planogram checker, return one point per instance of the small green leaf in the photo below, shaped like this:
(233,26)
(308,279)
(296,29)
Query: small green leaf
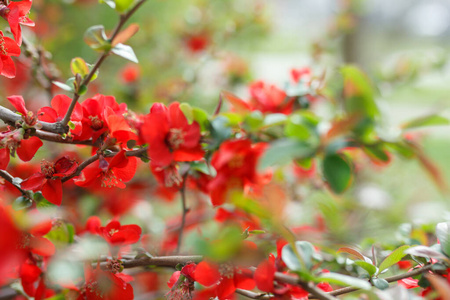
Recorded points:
(380,283)
(424,251)
(443,234)
(79,66)
(393,258)
(344,280)
(71,125)
(63,86)
(22,203)
(284,151)
(304,249)
(431,120)
(201,117)
(82,90)
(125,51)
(337,170)
(95,37)
(253,121)
(123,5)
(274,120)
(187,111)
(371,269)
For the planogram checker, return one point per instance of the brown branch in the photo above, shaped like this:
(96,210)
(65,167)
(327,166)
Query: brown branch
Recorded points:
(253,295)
(161,261)
(123,19)
(9,117)
(183,212)
(394,278)
(8,177)
(81,167)
(54,137)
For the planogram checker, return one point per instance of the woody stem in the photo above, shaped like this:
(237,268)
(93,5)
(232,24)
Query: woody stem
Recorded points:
(123,19)
(183,212)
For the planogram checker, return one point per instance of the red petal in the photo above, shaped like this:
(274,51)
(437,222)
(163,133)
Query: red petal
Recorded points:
(18,103)
(264,275)
(4,158)
(207,274)
(9,69)
(28,148)
(173,279)
(34,182)
(11,46)
(42,246)
(126,173)
(47,114)
(41,228)
(52,191)
(177,119)
(93,224)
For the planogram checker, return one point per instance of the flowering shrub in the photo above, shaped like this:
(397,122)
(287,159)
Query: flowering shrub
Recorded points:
(232,169)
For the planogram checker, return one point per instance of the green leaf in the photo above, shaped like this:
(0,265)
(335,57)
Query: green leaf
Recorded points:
(284,151)
(274,120)
(110,3)
(82,90)
(371,269)
(344,280)
(63,86)
(79,66)
(337,171)
(95,37)
(22,203)
(253,121)
(201,117)
(123,5)
(203,167)
(304,249)
(431,120)
(424,251)
(187,111)
(125,51)
(443,234)
(219,130)
(71,125)
(358,93)
(393,258)
(380,283)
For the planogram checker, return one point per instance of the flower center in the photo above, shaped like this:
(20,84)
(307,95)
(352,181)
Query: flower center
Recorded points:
(109,179)
(236,162)
(3,49)
(226,270)
(96,122)
(47,168)
(113,231)
(175,138)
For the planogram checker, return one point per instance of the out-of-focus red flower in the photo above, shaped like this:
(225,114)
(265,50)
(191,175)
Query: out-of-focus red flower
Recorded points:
(120,235)
(170,136)
(109,172)
(235,163)
(10,237)
(245,220)
(49,179)
(404,265)
(102,285)
(197,42)
(60,105)
(13,141)
(269,98)
(17,13)
(130,73)
(222,281)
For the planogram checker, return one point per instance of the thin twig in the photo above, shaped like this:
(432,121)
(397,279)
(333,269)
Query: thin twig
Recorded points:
(123,19)
(394,278)
(183,212)
(8,177)
(81,167)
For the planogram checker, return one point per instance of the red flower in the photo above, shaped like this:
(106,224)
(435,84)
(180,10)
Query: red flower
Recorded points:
(235,163)
(8,48)
(130,73)
(16,13)
(120,235)
(49,179)
(60,105)
(13,141)
(170,136)
(109,172)
(197,42)
(101,285)
(10,238)
(223,280)
(101,115)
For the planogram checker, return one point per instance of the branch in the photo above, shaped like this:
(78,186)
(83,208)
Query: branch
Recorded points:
(388,279)
(123,19)
(81,167)
(161,261)
(253,295)
(11,118)
(184,211)
(8,177)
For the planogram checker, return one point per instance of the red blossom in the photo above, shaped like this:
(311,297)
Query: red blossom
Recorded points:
(60,105)
(12,141)
(8,48)
(108,172)
(235,163)
(102,285)
(49,179)
(120,235)
(16,13)
(170,136)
